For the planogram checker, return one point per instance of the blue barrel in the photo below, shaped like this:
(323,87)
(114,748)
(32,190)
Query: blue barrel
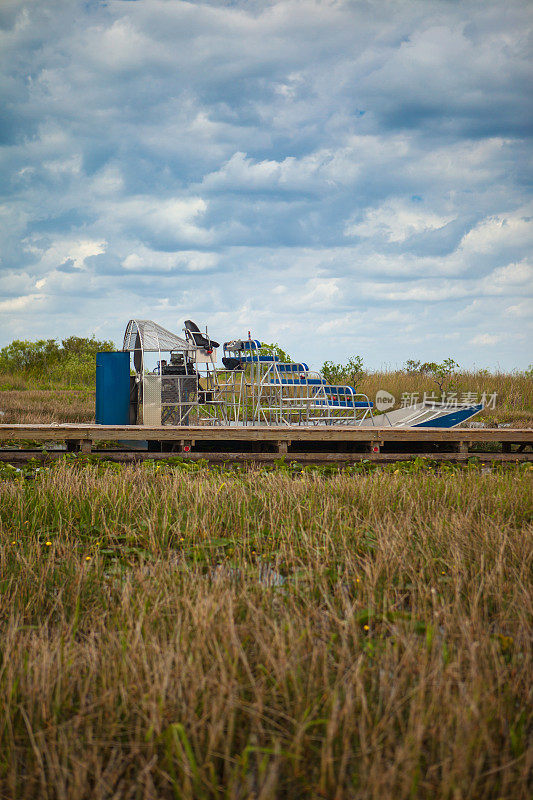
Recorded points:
(112,388)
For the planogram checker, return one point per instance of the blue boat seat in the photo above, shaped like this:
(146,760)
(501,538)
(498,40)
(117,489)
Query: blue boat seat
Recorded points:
(261,359)
(293,367)
(298,381)
(321,403)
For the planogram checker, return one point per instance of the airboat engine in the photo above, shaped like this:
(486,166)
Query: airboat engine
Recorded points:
(159,378)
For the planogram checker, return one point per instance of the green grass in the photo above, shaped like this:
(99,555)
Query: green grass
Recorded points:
(169,631)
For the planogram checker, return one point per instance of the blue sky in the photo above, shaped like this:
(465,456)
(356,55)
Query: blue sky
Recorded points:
(341,177)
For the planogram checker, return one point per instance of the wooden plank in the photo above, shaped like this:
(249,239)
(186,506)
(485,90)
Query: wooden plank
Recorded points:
(338,433)
(23,456)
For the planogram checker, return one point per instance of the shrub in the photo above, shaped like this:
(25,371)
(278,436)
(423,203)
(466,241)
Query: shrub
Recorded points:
(275,350)
(351,373)
(45,361)
(441,373)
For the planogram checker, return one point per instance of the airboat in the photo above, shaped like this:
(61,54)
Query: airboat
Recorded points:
(160,378)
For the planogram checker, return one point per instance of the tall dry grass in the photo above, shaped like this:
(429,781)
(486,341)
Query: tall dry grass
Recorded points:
(176,634)
(27,407)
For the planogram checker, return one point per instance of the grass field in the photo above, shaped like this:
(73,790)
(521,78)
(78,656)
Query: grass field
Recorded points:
(176,632)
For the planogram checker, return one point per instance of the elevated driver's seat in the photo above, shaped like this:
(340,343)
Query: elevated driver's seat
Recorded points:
(201,340)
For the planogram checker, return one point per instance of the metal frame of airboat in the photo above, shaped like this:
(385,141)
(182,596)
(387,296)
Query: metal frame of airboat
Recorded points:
(257,389)
(173,399)
(266,391)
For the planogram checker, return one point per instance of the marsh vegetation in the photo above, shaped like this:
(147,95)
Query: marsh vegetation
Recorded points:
(170,631)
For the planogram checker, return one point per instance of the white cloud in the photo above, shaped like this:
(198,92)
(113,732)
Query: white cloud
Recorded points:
(63,250)
(173,217)
(319,292)
(23,303)
(461,165)
(108,181)
(485,339)
(397,220)
(145,260)
(512,230)
(322,169)
(521,309)
(512,276)
(61,166)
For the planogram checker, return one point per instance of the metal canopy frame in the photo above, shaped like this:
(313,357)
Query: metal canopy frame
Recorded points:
(149,337)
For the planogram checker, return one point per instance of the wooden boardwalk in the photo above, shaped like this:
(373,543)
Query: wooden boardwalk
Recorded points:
(338,443)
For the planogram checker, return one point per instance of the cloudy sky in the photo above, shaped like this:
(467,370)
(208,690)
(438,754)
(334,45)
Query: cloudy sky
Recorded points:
(341,176)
